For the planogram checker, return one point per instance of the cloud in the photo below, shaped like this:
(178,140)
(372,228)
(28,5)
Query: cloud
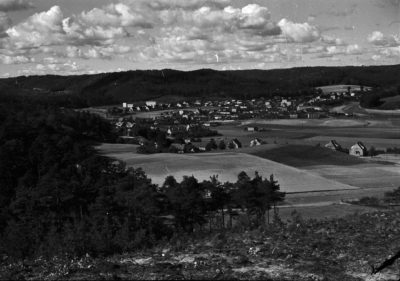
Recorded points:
(251,18)
(68,67)
(115,15)
(354,49)
(392,52)
(15,5)
(331,51)
(4,59)
(332,40)
(96,52)
(51,28)
(298,32)
(377,38)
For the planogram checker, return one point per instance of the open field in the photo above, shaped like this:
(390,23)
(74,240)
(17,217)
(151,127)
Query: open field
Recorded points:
(341,88)
(306,155)
(364,175)
(356,109)
(361,172)
(227,166)
(117,148)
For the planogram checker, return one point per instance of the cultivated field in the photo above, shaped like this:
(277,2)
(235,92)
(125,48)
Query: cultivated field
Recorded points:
(227,166)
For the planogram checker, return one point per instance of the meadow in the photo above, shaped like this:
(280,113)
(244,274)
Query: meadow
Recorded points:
(227,166)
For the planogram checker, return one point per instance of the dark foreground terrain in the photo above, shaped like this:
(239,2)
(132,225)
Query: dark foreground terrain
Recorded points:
(337,249)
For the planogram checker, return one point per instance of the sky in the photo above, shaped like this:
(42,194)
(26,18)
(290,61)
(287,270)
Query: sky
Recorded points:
(92,36)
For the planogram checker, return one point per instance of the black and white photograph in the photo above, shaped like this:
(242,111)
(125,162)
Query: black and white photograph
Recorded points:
(200,140)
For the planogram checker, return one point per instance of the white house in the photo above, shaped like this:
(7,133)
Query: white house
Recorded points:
(151,104)
(358,149)
(255,142)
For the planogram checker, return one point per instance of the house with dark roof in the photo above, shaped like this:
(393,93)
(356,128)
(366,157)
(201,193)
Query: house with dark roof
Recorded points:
(255,142)
(358,149)
(334,145)
(235,144)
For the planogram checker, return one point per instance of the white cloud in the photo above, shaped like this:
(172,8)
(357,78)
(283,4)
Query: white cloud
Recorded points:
(15,5)
(51,28)
(96,52)
(392,52)
(332,40)
(354,49)
(115,15)
(298,32)
(14,59)
(379,39)
(68,67)
(332,51)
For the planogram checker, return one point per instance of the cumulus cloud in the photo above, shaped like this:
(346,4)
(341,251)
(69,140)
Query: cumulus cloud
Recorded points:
(97,52)
(331,51)
(5,59)
(251,18)
(377,38)
(392,52)
(57,67)
(115,15)
(298,32)
(332,40)
(15,5)
(51,28)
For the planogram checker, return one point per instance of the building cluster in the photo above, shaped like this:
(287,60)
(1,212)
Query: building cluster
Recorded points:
(358,149)
(212,112)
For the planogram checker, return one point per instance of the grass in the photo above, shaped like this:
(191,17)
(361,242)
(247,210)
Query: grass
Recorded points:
(306,155)
(227,165)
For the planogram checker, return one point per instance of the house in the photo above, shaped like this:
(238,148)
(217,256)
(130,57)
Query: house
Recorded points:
(234,144)
(333,145)
(151,104)
(255,142)
(293,116)
(358,149)
(177,148)
(251,129)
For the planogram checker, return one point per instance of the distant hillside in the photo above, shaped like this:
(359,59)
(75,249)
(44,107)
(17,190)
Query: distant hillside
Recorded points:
(109,88)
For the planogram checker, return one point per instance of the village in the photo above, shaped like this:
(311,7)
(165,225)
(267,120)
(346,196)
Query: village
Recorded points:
(187,126)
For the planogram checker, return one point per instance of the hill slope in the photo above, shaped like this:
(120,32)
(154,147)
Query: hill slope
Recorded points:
(138,85)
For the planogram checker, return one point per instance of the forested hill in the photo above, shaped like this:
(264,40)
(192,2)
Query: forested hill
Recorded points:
(108,88)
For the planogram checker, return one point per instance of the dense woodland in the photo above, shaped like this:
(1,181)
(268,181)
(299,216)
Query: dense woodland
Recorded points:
(112,88)
(58,195)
